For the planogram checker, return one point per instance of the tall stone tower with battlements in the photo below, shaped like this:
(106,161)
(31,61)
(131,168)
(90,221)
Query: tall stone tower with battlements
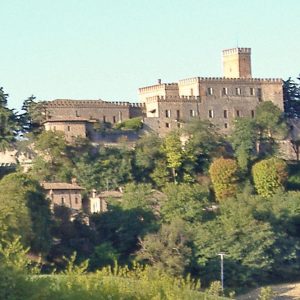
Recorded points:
(237,63)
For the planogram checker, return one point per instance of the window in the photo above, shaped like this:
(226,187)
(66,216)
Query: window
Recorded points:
(210,91)
(238,91)
(192,92)
(177,114)
(62,201)
(225,91)
(69,128)
(168,113)
(104,119)
(167,125)
(252,113)
(77,114)
(76,200)
(178,125)
(225,113)
(225,125)
(192,113)
(238,114)
(210,113)
(252,92)
(259,94)
(114,119)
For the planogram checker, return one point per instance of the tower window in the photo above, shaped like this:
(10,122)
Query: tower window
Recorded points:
(104,119)
(62,201)
(252,113)
(238,91)
(76,200)
(225,91)
(167,125)
(192,113)
(69,128)
(238,113)
(178,114)
(192,92)
(252,92)
(77,114)
(168,113)
(225,125)
(114,119)
(225,113)
(210,113)
(210,91)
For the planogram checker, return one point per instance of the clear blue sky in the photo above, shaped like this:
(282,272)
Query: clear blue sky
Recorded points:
(91,49)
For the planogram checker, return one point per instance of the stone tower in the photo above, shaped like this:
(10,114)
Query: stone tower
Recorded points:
(237,63)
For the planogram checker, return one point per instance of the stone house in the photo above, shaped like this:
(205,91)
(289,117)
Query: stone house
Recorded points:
(64,194)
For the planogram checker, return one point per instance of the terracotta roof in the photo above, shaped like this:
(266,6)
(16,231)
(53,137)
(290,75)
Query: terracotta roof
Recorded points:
(60,186)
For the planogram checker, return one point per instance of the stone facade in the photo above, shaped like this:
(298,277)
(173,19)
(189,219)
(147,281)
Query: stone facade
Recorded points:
(220,100)
(64,194)
(167,106)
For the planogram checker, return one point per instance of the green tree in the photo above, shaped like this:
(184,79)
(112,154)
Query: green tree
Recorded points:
(291,97)
(223,174)
(269,175)
(172,148)
(168,249)
(184,201)
(203,143)
(9,125)
(25,212)
(243,140)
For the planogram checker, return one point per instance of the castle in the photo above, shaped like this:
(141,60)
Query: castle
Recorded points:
(166,106)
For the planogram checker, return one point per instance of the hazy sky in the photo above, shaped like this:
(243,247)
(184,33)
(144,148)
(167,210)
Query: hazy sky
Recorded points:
(91,49)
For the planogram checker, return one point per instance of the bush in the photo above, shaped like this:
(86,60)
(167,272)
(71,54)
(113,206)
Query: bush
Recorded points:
(131,124)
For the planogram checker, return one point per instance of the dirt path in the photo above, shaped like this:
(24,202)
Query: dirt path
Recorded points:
(283,292)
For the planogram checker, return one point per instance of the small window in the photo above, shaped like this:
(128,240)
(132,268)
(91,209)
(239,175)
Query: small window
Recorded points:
(225,113)
(178,114)
(192,113)
(77,114)
(238,114)
(225,91)
(76,200)
(225,125)
(238,91)
(114,119)
(168,113)
(252,92)
(192,92)
(62,200)
(259,94)
(69,128)
(167,125)
(252,114)
(178,125)
(104,119)
(210,91)
(210,113)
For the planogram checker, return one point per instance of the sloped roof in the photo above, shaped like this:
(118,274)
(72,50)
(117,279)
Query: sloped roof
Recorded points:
(61,186)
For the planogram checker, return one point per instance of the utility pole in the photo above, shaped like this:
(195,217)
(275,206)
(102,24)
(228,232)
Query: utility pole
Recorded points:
(222,254)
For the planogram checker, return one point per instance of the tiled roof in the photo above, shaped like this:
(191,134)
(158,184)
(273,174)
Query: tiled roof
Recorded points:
(67,119)
(61,186)
(114,194)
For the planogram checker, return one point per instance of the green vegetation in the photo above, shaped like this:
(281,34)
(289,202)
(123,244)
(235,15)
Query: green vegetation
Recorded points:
(131,124)
(182,204)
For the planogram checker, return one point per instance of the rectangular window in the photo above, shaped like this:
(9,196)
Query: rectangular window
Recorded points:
(252,92)
(76,200)
(167,125)
(252,114)
(225,114)
(192,113)
(225,125)
(77,114)
(210,91)
(114,119)
(225,91)
(62,201)
(168,113)
(210,113)
(238,114)
(238,91)
(104,119)
(178,114)
(259,94)
(69,128)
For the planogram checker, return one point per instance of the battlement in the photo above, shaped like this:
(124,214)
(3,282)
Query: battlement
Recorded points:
(242,80)
(189,80)
(156,87)
(236,51)
(88,103)
(173,99)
